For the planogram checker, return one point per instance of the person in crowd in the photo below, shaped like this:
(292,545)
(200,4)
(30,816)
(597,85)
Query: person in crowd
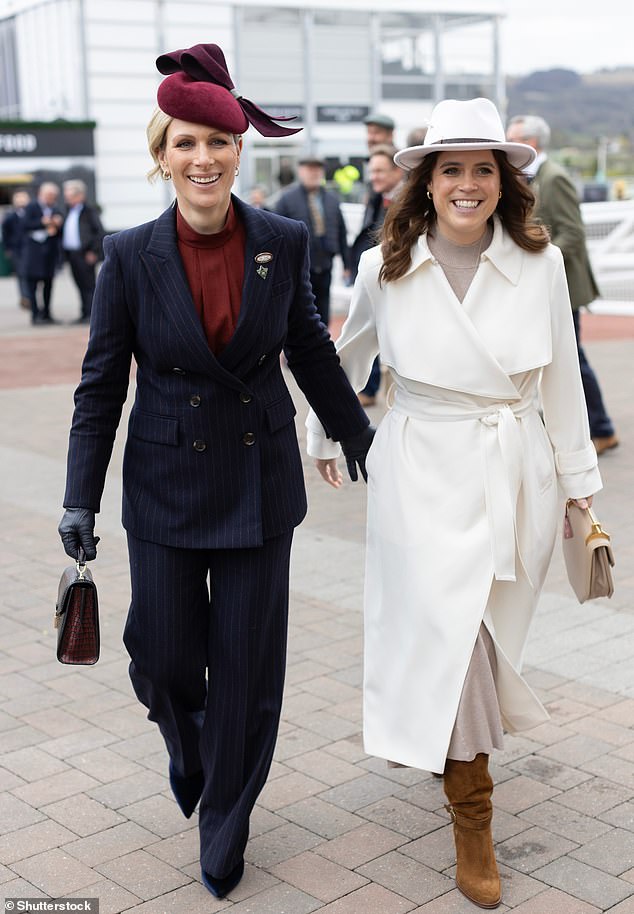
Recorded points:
(206,297)
(42,223)
(257,197)
(558,209)
(467,302)
(13,242)
(416,136)
(82,242)
(379,129)
(386,180)
(319,209)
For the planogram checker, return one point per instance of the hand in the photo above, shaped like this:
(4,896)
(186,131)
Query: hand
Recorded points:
(330,471)
(355,450)
(90,257)
(76,529)
(583,502)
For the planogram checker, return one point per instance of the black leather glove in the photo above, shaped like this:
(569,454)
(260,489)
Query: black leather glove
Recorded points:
(76,529)
(355,451)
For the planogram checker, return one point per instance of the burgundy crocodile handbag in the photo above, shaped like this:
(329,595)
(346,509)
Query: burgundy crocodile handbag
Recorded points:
(77,617)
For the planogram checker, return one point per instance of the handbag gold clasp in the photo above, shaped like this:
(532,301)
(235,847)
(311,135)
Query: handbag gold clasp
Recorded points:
(597,531)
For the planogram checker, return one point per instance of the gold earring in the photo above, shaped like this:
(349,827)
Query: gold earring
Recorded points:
(166,175)
(429,196)
(500,195)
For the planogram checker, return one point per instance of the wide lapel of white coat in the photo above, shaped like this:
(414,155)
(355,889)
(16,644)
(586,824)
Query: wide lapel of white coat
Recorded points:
(428,337)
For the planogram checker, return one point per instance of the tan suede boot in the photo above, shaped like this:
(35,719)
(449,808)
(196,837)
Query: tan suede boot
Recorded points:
(468,786)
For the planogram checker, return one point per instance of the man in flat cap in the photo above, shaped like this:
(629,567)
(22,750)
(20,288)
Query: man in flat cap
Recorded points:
(380,130)
(309,202)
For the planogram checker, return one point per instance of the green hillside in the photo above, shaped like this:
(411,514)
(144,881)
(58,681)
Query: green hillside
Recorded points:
(581,110)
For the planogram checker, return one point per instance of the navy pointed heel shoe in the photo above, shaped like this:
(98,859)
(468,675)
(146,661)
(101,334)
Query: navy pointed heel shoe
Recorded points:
(221,887)
(187,790)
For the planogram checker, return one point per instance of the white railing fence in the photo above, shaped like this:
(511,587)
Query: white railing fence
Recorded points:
(610,236)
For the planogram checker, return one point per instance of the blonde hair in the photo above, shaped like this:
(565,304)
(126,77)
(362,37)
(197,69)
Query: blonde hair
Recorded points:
(156,133)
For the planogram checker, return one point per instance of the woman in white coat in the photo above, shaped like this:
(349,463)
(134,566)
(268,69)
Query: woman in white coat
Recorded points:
(466,302)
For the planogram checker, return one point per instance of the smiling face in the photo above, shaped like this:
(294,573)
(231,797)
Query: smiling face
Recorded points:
(465,187)
(202,162)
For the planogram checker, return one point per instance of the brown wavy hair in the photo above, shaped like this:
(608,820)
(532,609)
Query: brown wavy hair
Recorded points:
(413,213)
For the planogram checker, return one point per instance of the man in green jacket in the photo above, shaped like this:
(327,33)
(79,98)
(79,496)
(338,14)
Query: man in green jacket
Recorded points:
(558,208)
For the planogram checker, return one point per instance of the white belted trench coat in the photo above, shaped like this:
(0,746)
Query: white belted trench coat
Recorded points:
(462,480)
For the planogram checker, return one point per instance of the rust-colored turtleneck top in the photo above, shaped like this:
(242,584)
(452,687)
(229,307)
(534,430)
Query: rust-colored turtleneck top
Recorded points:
(214,266)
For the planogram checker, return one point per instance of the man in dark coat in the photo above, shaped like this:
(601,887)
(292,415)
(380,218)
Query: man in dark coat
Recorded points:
(310,203)
(13,242)
(42,250)
(82,241)
(558,208)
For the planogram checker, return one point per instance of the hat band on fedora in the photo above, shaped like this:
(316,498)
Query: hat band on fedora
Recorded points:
(462,139)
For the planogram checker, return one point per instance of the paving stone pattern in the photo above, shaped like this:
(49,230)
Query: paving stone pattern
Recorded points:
(85,805)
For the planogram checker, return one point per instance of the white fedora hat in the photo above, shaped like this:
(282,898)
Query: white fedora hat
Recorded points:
(472,124)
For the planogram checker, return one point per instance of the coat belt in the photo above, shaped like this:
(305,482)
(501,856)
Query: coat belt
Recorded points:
(502,453)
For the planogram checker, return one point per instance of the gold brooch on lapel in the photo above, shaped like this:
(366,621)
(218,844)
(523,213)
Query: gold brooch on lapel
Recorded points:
(264,257)
(262,271)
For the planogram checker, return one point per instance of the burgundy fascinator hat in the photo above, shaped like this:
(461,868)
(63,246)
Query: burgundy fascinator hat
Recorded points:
(199,89)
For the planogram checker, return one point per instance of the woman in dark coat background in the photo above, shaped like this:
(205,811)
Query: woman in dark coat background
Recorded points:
(205,298)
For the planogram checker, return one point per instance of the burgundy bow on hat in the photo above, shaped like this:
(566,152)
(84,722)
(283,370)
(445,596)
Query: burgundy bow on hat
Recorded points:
(195,76)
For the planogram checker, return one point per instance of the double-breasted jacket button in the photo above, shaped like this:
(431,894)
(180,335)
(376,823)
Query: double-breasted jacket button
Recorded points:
(245,397)
(200,445)
(248,438)
(262,359)
(178,371)
(194,400)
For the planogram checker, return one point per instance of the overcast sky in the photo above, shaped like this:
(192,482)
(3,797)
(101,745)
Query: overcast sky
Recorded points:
(580,35)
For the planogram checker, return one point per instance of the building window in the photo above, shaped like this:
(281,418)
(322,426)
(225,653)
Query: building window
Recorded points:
(9,92)
(424,53)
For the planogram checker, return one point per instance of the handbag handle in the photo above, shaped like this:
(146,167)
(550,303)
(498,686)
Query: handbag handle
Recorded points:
(597,531)
(81,563)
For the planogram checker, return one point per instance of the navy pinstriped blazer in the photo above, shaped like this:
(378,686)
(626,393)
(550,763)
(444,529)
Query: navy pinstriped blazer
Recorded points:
(211,458)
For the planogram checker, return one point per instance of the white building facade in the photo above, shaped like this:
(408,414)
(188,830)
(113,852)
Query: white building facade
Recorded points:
(93,62)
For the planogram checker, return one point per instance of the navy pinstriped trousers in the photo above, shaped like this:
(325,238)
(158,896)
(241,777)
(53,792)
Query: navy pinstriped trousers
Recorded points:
(208,663)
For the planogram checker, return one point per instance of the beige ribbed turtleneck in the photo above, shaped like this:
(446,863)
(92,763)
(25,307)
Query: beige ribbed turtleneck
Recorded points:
(459,262)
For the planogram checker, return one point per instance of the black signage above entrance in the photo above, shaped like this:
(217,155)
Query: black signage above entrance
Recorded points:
(19,140)
(341,114)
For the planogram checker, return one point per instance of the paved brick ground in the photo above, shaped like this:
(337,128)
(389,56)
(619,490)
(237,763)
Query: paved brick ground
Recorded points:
(85,806)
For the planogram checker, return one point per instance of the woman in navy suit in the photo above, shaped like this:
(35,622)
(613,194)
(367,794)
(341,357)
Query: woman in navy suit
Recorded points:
(205,298)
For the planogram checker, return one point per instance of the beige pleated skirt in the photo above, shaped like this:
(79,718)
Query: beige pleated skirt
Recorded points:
(478,726)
